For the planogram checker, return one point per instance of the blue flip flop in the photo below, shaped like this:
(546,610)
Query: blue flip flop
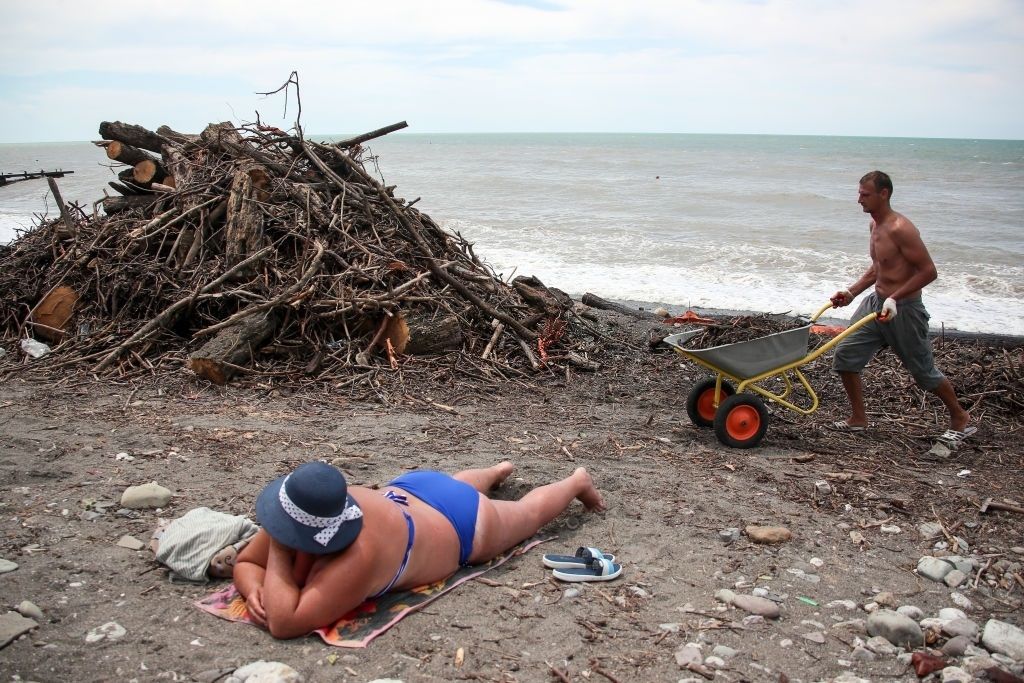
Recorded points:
(597,569)
(580,559)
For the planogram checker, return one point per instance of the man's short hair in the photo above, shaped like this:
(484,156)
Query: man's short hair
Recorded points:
(881,180)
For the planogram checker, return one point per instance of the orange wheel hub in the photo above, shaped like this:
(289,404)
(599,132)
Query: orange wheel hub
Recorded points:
(706,405)
(743,422)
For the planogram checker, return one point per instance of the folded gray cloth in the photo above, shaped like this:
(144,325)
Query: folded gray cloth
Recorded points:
(190,542)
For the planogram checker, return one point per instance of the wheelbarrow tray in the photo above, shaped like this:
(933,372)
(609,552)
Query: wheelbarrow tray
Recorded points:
(747,359)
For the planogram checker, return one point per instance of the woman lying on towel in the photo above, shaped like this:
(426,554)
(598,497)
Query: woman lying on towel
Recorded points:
(325,548)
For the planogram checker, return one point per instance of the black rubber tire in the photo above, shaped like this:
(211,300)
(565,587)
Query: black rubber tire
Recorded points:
(693,400)
(741,421)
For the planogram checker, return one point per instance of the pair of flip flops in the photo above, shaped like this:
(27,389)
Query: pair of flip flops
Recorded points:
(588,564)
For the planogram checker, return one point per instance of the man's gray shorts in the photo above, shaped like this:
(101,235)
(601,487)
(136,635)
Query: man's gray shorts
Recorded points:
(906,335)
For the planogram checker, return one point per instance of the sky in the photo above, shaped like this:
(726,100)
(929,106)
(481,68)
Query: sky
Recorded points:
(928,68)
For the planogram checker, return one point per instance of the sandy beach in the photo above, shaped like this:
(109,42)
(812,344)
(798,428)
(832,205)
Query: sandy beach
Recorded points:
(671,490)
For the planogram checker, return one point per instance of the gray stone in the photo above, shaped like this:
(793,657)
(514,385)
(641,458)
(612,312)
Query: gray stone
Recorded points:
(822,488)
(814,636)
(954,578)
(130,542)
(13,625)
(862,654)
(885,599)
(715,662)
(848,677)
(845,604)
(725,595)
(724,651)
(961,600)
(1003,638)
(30,610)
(954,674)
(912,611)
(977,664)
(670,627)
(880,646)
(1019,549)
(729,535)
(688,654)
(896,628)
(956,647)
(571,593)
(150,495)
(752,619)
(754,605)
(929,530)
(853,626)
(951,613)
(961,627)
(7,566)
(108,631)
(933,568)
(265,672)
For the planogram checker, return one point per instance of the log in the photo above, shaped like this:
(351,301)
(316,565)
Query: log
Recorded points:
(216,135)
(126,154)
(219,359)
(359,139)
(243,233)
(127,178)
(130,134)
(533,291)
(174,136)
(418,333)
(123,189)
(112,205)
(597,302)
(149,171)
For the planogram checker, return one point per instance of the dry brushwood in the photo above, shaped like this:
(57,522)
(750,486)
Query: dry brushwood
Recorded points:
(246,248)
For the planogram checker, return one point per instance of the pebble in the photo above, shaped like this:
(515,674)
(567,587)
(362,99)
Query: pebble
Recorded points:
(929,530)
(845,604)
(724,651)
(725,595)
(265,672)
(768,534)
(150,495)
(880,646)
(130,542)
(822,488)
(861,654)
(715,662)
(954,578)
(752,619)
(109,631)
(853,625)
(954,674)
(816,562)
(729,535)
(912,611)
(785,642)
(933,568)
(30,610)
(7,566)
(1019,549)
(956,647)
(670,628)
(896,628)
(961,600)
(571,593)
(754,605)
(890,529)
(814,637)
(760,592)
(950,613)
(977,664)
(689,654)
(961,627)
(886,599)
(848,677)
(1004,638)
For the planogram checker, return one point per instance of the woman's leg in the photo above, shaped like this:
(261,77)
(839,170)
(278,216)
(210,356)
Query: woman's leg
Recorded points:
(501,523)
(487,478)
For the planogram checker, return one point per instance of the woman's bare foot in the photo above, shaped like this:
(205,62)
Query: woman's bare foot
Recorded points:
(588,495)
(501,472)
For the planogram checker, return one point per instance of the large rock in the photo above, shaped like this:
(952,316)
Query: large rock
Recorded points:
(150,495)
(7,566)
(768,534)
(1003,638)
(897,628)
(13,625)
(961,627)
(934,568)
(755,605)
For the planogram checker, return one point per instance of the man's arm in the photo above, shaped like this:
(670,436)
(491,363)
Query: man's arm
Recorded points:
(908,239)
(846,296)
(333,592)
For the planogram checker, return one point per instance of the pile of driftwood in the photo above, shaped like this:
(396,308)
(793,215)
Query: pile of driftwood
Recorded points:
(246,246)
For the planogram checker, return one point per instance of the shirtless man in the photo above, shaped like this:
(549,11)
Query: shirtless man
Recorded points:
(325,548)
(900,269)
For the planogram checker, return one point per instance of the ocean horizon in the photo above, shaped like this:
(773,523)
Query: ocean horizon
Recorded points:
(747,222)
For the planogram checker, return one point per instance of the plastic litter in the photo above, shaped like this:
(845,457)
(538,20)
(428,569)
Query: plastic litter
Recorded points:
(34,348)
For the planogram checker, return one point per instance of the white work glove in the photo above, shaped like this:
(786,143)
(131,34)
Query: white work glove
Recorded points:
(888,310)
(841,298)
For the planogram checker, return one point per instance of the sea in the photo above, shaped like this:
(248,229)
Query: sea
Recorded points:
(759,223)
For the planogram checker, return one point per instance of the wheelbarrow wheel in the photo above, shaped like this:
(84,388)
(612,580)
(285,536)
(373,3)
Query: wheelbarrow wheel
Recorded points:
(741,421)
(700,404)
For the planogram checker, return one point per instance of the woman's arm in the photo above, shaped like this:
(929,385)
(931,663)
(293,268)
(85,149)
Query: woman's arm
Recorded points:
(250,569)
(291,612)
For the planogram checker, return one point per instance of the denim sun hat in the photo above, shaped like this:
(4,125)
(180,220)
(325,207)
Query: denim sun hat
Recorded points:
(310,510)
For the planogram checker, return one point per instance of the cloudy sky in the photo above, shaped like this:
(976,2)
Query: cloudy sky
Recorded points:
(928,68)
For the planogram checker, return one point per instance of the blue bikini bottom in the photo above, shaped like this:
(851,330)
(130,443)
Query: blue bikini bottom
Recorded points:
(456,500)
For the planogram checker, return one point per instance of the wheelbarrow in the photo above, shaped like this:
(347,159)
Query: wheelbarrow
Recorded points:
(732,401)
